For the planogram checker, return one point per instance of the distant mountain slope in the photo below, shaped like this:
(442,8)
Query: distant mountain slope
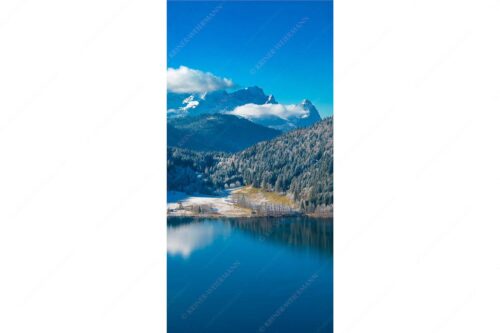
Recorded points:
(299,163)
(216,132)
(251,103)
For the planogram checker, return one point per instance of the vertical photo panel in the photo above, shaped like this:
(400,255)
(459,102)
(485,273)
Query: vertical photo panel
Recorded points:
(249,166)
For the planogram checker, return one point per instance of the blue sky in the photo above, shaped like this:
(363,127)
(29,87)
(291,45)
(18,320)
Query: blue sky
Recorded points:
(284,47)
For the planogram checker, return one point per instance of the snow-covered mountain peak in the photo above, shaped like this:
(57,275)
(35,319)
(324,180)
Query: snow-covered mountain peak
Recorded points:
(251,103)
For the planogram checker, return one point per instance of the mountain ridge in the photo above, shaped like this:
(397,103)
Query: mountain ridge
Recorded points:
(251,103)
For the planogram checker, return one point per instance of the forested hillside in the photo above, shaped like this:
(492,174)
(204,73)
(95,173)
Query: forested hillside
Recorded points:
(189,171)
(216,132)
(299,163)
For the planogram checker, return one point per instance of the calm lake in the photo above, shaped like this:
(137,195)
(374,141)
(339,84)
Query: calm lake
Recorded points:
(249,275)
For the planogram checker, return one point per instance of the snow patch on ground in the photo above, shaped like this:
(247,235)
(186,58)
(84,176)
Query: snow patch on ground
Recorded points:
(182,204)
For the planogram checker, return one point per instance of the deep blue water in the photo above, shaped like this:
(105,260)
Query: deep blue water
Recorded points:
(249,275)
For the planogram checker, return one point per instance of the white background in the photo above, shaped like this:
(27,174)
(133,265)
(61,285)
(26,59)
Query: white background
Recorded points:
(417,169)
(82,166)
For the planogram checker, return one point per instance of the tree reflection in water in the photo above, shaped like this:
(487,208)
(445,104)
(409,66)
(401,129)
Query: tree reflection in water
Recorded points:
(299,232)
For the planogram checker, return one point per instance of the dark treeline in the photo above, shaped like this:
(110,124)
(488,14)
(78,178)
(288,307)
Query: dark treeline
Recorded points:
(189,171)
(299,163)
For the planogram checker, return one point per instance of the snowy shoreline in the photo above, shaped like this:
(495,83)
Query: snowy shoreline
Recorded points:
(182,204)
(236,202)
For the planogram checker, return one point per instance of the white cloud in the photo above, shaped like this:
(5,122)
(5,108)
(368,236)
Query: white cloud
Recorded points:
(255,111)
(187,80)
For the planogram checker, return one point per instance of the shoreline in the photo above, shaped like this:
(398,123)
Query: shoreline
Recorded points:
(241,202)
